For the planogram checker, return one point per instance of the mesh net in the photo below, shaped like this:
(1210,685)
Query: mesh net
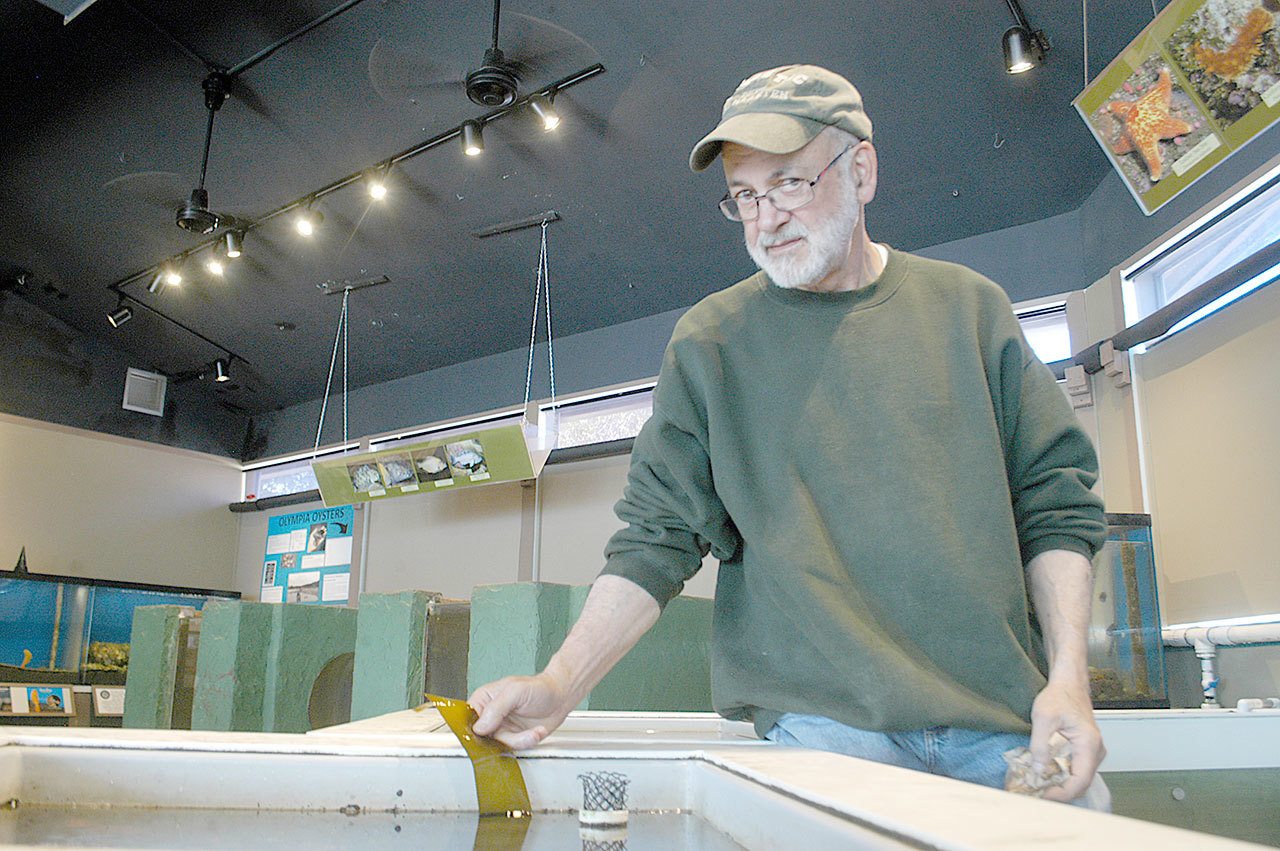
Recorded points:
(610,845)
(604,790)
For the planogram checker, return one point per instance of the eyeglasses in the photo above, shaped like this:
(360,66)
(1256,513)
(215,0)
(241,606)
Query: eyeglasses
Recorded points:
(791,194)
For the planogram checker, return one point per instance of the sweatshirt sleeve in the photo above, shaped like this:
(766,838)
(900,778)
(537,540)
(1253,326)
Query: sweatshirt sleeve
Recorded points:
(1050,461)
(673,515)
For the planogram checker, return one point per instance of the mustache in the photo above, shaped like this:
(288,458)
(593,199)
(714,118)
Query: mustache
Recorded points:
(790,231)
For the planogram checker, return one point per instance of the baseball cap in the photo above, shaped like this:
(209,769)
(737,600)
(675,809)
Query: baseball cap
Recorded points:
(781,110)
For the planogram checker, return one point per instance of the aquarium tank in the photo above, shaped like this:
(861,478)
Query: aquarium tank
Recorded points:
(74,630)
(1126,651)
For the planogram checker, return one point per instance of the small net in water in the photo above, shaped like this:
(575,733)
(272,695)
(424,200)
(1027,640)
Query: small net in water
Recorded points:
(604,798)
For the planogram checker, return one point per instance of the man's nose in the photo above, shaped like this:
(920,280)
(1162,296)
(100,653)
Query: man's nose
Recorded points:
(769,218)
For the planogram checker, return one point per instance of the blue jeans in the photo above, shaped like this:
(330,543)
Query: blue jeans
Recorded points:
(970,755)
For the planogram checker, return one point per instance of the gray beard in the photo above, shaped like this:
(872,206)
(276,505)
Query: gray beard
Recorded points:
(827,243)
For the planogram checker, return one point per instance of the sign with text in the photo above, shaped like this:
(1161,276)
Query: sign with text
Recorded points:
(1200,82)
(308,557)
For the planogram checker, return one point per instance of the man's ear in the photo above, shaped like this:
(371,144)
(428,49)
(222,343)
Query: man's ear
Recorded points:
(865,170)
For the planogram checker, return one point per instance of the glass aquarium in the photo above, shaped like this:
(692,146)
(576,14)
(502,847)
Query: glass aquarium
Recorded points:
(75,631)
(1126,652)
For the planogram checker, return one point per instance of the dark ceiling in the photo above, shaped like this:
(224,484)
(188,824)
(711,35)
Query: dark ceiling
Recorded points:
(102,123)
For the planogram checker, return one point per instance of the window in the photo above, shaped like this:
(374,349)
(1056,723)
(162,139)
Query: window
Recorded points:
(1244,224)
(1044,323)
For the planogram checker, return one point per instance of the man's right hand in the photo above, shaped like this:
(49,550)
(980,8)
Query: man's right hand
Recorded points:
(520,711)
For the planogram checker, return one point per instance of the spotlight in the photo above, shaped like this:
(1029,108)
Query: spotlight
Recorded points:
(542,107)
(308,220)
(122,314)
(232,240)
(221,370)
(1024,46)
(377,184)
(214,265)
(472,138)
(157,283)
(172,276)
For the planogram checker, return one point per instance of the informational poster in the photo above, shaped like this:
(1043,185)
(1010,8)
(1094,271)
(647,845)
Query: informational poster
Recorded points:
(494,455)
(1201,81)
(27,699)
(308,558)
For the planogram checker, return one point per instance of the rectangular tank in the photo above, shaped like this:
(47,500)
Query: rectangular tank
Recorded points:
(75,630)
(1126,653)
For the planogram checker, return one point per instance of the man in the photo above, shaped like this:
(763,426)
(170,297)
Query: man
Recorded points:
(886,472)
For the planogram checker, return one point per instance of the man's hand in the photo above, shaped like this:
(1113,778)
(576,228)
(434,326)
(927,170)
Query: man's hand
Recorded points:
(1067,710)
(520,711)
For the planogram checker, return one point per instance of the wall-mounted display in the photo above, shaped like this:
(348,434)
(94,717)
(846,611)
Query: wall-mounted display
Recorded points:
(28,699)
(1200,82)
(308,557)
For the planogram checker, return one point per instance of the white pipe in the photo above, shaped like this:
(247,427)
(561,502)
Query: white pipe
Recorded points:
(1222,636)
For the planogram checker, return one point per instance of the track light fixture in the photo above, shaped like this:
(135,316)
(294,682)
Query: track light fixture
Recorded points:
(542,106)
(157,282)
(232,241)
(1024,46)
(376,182)
(122,314)
(472,138)
(214,265)
(221,370)
(308,220)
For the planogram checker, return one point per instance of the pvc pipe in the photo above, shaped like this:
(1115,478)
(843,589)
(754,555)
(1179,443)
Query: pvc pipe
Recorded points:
(1222,636)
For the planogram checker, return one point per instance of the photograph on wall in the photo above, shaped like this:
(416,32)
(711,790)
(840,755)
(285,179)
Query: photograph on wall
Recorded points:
(1229,52)
(6,699)
(467,457)
(308,556)
(397,471)
(1151,127)
(432,466)
(365,477)
(48,699)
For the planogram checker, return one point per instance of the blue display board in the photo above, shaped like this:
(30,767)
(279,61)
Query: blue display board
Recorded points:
(308,557)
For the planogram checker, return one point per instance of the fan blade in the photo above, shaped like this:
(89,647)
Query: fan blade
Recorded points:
(402,72)
(165,189)
(541,51)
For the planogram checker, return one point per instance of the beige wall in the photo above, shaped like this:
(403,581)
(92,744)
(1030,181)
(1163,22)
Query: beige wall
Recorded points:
(1209,403)
(92,505)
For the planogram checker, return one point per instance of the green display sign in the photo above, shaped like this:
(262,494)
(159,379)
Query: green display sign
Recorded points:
(499,454)
(1200,82)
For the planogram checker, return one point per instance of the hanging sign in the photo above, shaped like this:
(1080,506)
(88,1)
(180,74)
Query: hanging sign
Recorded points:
(1200,82)
(505,453)
(308,558)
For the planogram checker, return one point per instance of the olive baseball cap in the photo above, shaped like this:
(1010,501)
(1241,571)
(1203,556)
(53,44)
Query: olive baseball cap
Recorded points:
(781,110)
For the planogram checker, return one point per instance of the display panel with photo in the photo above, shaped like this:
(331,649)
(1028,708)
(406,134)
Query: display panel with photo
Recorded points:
(397,471)
(467,457)
(432,465)
(1229,52)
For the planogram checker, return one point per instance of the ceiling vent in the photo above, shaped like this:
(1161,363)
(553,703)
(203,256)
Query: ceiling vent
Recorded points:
(144,392)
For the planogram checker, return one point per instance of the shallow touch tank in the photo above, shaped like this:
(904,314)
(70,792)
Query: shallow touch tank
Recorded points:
(1126,652)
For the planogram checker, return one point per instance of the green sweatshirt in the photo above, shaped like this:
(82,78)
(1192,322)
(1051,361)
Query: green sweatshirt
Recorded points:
(873,469)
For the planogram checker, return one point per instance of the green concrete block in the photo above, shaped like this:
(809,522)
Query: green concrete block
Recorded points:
(515,628)
(231,669)
(668,670)
(309,667)
(153,667)
(391,653)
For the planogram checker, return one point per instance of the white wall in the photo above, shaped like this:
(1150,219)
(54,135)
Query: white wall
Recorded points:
(93,505)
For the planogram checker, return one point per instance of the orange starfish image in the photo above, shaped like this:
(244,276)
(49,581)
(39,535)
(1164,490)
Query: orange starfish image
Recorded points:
(1240,55)
(1145,122)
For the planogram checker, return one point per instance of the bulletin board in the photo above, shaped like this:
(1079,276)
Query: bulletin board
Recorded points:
(1200,82)
(308,557)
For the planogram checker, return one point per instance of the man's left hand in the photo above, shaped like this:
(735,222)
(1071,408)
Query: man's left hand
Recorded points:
(1066,709)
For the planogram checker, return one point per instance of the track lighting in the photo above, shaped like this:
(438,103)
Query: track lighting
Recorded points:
(472,138)
(1024,46)
(221,370)
(122,314)
(172,276)
(543,108)
(308,220)
(376,181)
(157,282)
(232,240)
(214,265)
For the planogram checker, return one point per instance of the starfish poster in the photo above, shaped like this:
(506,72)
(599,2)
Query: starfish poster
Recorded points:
(1201,81)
